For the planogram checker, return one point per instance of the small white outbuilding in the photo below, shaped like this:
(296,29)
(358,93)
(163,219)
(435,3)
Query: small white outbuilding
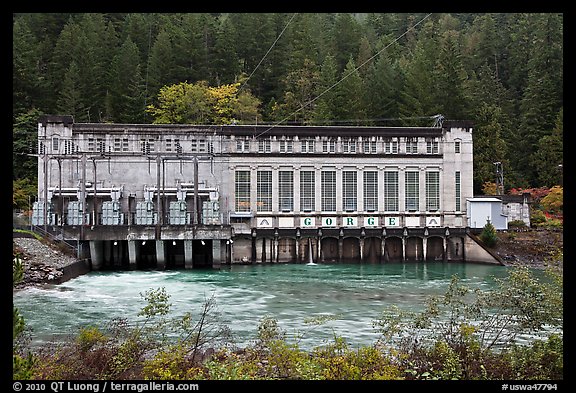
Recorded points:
(480,210)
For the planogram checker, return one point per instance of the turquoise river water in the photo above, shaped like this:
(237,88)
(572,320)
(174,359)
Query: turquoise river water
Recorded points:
(290,293)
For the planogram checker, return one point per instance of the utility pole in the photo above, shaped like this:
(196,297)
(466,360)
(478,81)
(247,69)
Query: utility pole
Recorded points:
(499,178)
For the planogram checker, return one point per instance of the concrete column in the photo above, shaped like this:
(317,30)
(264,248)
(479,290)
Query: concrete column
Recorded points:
(216,253)
(160,255)
(133,253)
(319,249)
(383,249)
(96,254)
(403,248)
(444,241)
(340,248)
(188,263)
(297,249)
(362,249)
(424,247)
(276,250)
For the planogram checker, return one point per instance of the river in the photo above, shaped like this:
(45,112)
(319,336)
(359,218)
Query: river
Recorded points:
(291,293)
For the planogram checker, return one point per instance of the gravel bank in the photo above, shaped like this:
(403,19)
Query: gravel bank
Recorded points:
(42,264)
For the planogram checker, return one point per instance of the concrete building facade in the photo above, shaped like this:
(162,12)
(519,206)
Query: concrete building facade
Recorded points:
(201,195)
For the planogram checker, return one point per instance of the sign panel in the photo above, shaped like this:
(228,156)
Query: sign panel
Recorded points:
(349,221)
(308,222)
(391,221)
(370,221)
(264,222)
(412,221)
(328,221)
(285,222)
(433,221)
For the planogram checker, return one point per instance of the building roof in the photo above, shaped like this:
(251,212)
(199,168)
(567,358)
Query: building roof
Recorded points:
(483,199)
(259,130)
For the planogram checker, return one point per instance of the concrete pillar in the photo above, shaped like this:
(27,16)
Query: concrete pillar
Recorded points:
(444,241)
(216,253)
(340,248)
(96,254)
(133,253)
(276,250)
(404,249)
(160,255)
(297,256)
(424,247)
(362,249)
(188,264)
(319,249)
(383,249)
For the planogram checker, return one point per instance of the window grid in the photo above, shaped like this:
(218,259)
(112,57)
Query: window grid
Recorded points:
(329,146)
(242,145)
(349,190)
(432,191)
(242,191)
(391,191)
(117,144)
(391,147)
(411,146)
(264,146)
(146,145)
(370,191)
(432,147)
(457,182)
(307,146)
(328,191)
(412,190)
(264,191)
(307,191)
(369,147)
(286,146)
(457,147)
(286,190)
(349,146)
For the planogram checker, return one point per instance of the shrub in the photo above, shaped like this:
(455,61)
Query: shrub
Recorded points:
(537,217)
(516,224)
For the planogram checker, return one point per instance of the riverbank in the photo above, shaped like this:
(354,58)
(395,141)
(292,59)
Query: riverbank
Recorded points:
(533,248)
(45,264)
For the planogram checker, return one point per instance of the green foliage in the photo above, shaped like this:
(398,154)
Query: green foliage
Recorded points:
(516,224)
(537,217)
(488,235)
(184,103)
(89,337)
(23,362)
(554,201)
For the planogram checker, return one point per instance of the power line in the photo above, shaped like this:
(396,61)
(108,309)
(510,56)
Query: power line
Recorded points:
(266,54)
(344,77)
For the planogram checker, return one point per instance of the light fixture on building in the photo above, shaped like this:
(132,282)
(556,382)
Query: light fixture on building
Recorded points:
(202,241)
(173,242)
(231,241)
(144,243)
(115,243)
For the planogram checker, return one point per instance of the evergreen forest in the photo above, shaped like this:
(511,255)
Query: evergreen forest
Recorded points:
(503,72)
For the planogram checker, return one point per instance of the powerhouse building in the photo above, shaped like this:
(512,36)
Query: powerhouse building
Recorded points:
(142,195)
